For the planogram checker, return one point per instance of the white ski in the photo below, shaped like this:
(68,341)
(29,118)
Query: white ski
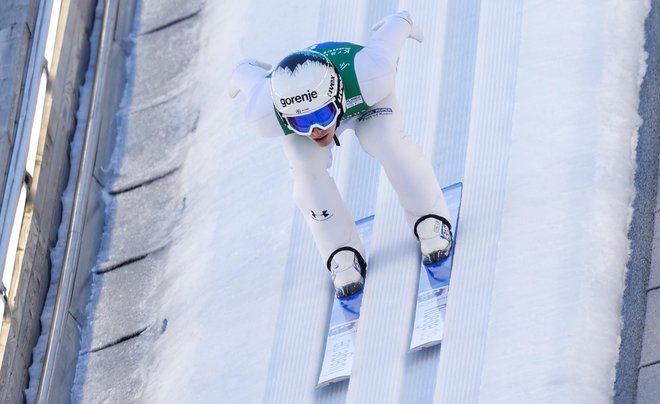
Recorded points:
(434,285)
(340,342)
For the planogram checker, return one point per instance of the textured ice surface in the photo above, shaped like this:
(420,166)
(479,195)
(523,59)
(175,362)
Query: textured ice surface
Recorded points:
(143,206)
(124,302)
(157,14)
(153,139)
(113,374)
(163,63)
(140,221)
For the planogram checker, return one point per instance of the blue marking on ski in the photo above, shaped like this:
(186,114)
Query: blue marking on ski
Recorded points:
(434,285)
(340,342)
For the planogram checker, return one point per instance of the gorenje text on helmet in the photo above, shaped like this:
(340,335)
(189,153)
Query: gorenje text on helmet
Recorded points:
(309,96)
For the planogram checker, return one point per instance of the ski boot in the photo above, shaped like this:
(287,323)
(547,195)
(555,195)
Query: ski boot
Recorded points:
(347,268)
(434,234)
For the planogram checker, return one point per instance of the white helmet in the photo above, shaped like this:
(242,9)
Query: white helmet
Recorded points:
(304,83)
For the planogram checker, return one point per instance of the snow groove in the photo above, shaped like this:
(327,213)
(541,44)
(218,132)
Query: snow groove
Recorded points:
(468,310)
(293,372)
(449,116)
(118,341)
(132,187)
(646,365)
(564,309)
(356,176)
(456,79)
(435,98)
(104,270)
(172,23)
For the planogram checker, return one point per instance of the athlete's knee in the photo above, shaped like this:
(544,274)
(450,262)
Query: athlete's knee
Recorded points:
(376,75)
(380,131)
(305,158)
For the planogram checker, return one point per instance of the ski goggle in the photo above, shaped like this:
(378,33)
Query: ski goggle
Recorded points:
(322,118)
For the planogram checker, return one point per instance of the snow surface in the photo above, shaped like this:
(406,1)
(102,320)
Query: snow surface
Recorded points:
(537,318)
(532,104)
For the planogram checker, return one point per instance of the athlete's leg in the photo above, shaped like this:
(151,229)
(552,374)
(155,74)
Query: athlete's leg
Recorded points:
(375,64)
(381,134)
(318,198)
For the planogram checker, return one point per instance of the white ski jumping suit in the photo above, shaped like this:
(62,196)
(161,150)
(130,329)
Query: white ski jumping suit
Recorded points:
(373,113)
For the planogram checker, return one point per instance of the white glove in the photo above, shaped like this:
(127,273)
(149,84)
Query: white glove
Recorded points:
(234,86)
(415,31)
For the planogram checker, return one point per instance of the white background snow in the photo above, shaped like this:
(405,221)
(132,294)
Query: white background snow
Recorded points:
(559,181)
(543,144)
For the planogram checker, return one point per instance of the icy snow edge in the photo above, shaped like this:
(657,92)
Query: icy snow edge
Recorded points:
(555,320)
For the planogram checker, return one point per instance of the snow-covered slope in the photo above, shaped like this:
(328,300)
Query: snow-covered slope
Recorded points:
(531,104)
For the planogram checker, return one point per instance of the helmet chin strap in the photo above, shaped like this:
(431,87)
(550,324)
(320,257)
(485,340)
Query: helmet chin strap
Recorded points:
(337,140)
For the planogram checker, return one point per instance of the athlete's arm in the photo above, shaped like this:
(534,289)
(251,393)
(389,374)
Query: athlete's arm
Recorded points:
(249,78)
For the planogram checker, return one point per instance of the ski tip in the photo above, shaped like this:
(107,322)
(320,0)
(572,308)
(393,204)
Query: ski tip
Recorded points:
(334,380)
(351,303)
(427,345)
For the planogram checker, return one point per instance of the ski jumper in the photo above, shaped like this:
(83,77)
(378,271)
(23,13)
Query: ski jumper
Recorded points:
(372,111)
